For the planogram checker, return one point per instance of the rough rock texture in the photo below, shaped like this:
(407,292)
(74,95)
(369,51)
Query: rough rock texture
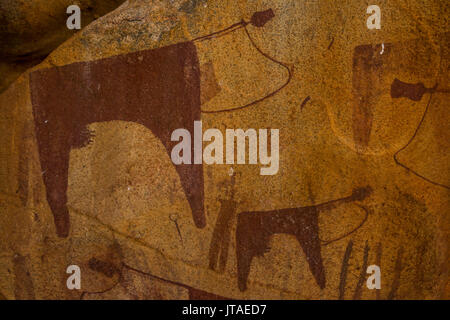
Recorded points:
(344,121)
(30,30)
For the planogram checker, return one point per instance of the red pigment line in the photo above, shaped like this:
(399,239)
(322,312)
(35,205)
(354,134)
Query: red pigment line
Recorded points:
(344,270)
(410,141)
(378,263)
(304,102)
(362,275)
(331,43)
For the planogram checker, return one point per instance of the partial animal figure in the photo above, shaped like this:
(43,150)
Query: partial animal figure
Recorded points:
(254,230)
(158,88)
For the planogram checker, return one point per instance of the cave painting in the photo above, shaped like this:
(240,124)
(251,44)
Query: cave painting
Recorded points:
(415,92)
(367,68)
(411,73)
(220,241)
(412,91)
(158,88)
(377,70)
(254,230)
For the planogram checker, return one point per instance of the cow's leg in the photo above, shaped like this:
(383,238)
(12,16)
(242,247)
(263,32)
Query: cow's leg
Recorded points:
(191,177)
(308,237)
(244,255)
(252,238)
(54,158)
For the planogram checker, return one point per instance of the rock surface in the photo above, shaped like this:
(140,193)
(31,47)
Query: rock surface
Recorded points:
(131,227)
(30,30)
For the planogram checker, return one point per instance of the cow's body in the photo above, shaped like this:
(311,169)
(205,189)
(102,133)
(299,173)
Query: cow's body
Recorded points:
(157,88)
